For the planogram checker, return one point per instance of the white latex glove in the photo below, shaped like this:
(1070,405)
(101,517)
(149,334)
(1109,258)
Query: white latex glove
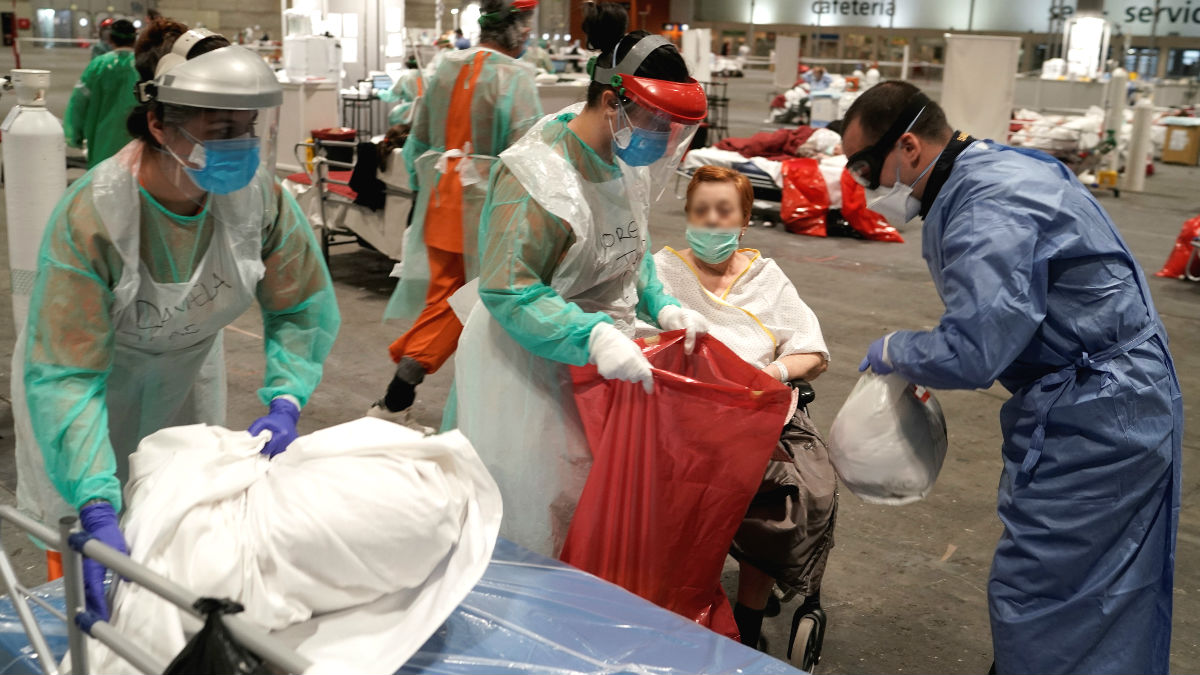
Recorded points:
(619,358)
(678,318)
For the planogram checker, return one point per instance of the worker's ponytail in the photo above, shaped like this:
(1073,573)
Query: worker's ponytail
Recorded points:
(604,24)
(155,41)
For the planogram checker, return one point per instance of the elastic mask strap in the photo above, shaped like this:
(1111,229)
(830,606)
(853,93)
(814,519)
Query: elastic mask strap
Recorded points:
(197,155)
(623,123)
(915,180)
(927,168)
(182,162)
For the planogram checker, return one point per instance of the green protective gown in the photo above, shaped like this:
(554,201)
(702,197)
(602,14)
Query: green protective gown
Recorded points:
(71,342)
(564,248)
(100,104)
(522,244)
(100,48)
(504,107)
(404,93)
(538,57)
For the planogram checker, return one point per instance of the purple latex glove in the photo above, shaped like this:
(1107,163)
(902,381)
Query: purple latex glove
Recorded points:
(876,358)
(281,422)
(99,520)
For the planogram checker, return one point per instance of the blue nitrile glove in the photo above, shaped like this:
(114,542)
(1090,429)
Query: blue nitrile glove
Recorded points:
(281,422)
(99,520)
(877,359)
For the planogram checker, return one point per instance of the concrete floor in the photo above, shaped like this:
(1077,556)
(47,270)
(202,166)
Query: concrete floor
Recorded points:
(905,589)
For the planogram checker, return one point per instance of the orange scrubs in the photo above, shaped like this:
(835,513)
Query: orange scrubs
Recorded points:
(433,338)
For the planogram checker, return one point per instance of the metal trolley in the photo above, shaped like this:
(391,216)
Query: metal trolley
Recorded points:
(74,544)
(326,174)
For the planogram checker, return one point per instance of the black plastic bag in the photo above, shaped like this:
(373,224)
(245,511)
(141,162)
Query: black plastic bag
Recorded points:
(364,180)
(213,651)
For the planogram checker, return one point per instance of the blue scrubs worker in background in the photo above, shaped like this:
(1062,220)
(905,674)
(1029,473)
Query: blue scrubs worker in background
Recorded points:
(1042,295)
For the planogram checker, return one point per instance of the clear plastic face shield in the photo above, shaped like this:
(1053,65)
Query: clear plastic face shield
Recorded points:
(219,115)
(648,137)
(220,151)
(655,119)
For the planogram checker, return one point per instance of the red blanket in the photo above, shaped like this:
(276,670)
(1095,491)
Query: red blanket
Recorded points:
(774,145)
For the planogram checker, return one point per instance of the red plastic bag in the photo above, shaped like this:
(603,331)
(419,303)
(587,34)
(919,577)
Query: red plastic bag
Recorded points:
(1176,265)
(854,209)
(673,473)
(805,203)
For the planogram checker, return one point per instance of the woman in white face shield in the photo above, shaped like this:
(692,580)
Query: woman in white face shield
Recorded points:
(145,260)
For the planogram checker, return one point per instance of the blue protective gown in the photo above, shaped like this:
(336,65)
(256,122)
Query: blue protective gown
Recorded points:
(1042,294)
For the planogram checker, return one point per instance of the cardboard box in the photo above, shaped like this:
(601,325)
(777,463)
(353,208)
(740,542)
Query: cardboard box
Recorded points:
(1182,145)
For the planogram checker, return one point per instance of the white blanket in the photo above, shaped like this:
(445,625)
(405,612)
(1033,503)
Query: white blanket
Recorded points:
(366,515)
(831,168)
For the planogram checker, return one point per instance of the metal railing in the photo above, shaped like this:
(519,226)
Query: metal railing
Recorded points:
(74,544)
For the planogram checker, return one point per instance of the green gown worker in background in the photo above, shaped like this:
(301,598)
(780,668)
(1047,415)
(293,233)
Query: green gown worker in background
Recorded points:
(104,97)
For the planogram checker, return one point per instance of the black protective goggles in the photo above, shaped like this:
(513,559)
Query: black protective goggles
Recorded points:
(866,165)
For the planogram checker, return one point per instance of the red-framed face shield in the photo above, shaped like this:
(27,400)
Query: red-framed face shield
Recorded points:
(656,119)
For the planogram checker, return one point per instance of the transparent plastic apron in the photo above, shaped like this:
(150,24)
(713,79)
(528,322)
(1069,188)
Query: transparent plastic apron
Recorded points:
(168,363)
(517,408)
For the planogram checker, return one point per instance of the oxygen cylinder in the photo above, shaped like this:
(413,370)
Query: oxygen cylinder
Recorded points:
(1139,146)
(1114,116)
(35,175)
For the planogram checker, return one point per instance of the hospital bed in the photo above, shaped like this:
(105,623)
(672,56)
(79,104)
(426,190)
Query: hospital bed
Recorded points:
(528,614)
(326,198)
(764,175)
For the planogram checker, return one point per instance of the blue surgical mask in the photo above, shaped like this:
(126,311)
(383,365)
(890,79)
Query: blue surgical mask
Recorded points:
(226,165)
(713,245)
(644,147)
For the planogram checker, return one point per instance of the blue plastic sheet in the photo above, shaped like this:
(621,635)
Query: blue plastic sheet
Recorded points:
(528,614)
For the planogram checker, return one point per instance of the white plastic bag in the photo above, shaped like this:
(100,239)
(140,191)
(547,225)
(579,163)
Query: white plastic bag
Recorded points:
(888,440)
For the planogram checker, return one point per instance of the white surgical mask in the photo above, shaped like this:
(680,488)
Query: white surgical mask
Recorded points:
(898,204)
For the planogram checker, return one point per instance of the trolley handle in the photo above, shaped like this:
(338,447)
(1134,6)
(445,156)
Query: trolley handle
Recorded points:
(74,544)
